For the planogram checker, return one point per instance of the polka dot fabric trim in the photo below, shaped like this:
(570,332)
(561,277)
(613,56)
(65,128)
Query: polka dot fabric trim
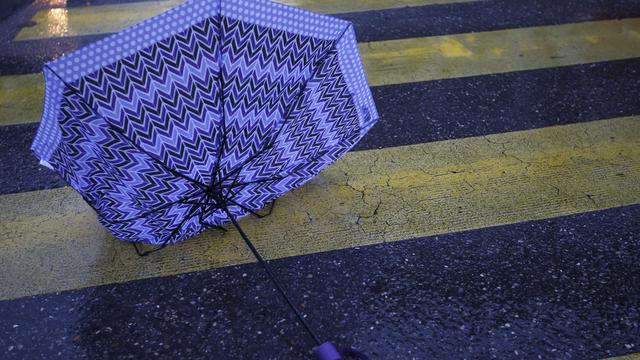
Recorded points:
(284,17)
(351,66)
(113,48)
(49,135)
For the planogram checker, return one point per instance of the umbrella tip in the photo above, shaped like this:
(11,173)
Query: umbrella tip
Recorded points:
(327,351)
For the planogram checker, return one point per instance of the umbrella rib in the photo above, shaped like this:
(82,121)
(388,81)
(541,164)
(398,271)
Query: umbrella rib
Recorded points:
(290,108)
(159,208)
(165,242)
(234,185)
(252,212)
(272,139)
(223,141)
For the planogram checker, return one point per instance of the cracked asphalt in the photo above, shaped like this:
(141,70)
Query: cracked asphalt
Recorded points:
(492,213)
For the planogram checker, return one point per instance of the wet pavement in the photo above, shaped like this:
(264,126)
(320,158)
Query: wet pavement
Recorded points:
(537,285)
(558,288)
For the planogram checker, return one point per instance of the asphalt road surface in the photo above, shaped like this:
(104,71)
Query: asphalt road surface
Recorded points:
(493,212)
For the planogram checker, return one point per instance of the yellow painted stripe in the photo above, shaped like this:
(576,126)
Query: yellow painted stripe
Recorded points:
(450,56)
(430,58)
(21,98)
(343,6)
(60,22)
(51,241)
(635,356)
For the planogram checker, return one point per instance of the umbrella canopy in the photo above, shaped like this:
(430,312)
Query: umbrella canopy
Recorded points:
(202,114)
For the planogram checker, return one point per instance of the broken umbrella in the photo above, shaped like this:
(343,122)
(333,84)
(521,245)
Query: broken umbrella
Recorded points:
(202,115)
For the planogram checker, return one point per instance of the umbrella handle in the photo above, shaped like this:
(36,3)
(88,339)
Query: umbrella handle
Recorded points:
(328,351)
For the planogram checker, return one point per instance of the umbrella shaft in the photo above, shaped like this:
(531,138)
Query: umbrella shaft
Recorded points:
(273,278)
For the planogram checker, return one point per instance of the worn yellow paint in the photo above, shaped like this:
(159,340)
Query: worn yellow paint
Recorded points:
(20,98)
(431,58)
(343,6)
(51,241)
(87,20)
(100,19)
(635,356)
(438,57)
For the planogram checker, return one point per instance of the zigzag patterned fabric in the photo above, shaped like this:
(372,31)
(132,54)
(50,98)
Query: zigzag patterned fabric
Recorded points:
(214,108)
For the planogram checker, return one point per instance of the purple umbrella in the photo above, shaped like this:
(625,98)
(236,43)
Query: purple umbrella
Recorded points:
(202,115)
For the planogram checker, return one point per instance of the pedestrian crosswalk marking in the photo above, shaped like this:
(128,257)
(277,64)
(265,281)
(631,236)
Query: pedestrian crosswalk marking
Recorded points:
(492,52)
(51,240)
(21,98)
(101,19)
(429,58)
(635,356)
